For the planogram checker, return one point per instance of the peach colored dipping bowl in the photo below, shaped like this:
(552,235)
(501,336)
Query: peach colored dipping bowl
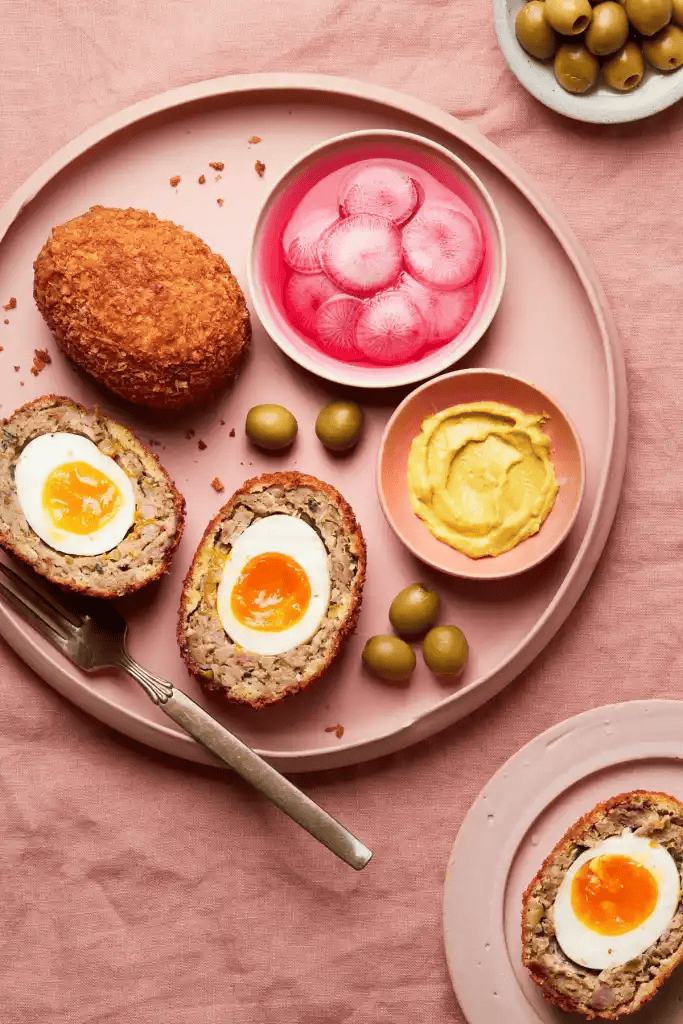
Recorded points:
(330,159)
(464,386)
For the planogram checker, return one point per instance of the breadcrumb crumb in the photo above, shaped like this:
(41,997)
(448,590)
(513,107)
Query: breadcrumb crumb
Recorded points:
(220,201)
(16,369)
(6,321)
(217,165)
(253,139)
(201,179)
(232,433)
(174,181)
(338,730)
(201,445)
(217,484)
(12,304)
(260,168)
(41,359)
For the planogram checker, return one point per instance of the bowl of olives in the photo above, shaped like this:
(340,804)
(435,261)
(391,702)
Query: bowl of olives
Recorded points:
(601,61)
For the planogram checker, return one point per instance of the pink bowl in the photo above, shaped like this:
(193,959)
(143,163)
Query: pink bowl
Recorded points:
(265,261)
(478,386)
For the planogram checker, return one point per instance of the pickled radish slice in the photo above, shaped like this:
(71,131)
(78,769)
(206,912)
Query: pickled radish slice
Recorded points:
(361,254)
(302,252)
(445,313)
(379,189)
(442,246)
(304,295)
(335,324)
(390,328)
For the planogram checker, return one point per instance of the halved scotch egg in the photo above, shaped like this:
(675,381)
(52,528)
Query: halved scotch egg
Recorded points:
(83,501)
(274,590)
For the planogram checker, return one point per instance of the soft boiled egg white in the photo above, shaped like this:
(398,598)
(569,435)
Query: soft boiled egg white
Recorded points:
(275,587)
(76,498)
(616,900)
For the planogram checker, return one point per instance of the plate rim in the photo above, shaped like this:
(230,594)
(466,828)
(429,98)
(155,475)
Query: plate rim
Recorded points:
(467,699)
(524,811)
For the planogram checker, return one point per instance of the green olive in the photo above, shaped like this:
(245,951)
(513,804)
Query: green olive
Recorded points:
(575,68)
(339,425)
(533,30)
(678,11)
(570,17)
(270,426)
(648,16)
(445,650)
(415,609)
(608,31)
(665,49)
(625,70)
(389,657)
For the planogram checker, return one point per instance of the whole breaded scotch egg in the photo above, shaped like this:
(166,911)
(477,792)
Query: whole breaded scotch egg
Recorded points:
(143,306)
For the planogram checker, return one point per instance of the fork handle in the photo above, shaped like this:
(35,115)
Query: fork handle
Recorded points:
(242,759)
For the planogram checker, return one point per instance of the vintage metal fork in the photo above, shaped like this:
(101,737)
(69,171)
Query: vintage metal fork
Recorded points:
(97,639)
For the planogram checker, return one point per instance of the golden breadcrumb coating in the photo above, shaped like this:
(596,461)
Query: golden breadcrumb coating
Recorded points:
(142,305)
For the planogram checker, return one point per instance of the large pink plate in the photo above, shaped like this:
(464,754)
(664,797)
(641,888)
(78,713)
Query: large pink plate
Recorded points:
(514,823)
(553,328)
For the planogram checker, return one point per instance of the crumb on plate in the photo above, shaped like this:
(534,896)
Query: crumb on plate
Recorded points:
(253,139)
(201,179)
(232,433)
(16,369)
(220,201)
(217,165)
(338,730)
(260,168)
(201,445)
(41,359)
(174,181)
(217,484)
(12,304)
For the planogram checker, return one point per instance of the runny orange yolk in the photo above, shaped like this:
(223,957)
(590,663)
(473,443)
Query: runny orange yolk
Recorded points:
(271,594)
(613,894)
(79,498)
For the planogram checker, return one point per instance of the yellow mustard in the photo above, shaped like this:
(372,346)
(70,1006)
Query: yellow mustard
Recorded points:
(481,477)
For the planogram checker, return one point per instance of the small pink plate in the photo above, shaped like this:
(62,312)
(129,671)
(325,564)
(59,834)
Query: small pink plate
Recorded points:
(331,159)
(464,386)
(512,826)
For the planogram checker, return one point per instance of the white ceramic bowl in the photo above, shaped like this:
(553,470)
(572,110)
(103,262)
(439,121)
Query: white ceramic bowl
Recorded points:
(288,192)
(600,105)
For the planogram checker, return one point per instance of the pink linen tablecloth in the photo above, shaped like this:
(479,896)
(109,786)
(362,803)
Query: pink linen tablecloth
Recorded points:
(137,889)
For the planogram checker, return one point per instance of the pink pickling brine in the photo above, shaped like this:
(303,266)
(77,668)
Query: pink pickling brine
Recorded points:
(380,262)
